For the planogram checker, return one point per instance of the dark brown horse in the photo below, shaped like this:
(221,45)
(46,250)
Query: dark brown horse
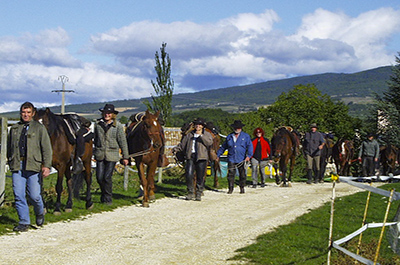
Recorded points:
(343,154)
(63,155)
(284,149)
(389,158)
(326,155)
(145,139)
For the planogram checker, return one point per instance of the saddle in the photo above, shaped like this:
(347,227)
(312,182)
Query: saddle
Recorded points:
(73,123)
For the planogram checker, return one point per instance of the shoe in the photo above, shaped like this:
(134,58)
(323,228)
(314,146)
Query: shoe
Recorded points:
(262,185)
(254,186)
(21,228)
(241,190)
(78,166)
(190,197)
(230,190)
(39,219)
(107,203)
(309,181)
(198,198)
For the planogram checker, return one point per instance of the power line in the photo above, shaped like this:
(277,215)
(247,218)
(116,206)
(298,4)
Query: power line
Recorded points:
(64,79)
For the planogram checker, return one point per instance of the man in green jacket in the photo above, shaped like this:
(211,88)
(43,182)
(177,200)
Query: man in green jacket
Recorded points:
(369,154)
(29,154)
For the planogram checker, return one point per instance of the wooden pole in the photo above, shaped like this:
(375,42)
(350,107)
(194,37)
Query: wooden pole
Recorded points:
(126,178)
(3,159)
(363,222)
(331,222)
(383,226)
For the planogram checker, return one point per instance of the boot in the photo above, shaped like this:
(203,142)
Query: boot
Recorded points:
(230,185)
(309,176)
(190,196)
(198,196)
(316,177)
(78,166)
(241,190)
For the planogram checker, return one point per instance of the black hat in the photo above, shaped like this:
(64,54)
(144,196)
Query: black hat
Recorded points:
(370,135)
(237,124)
(313,125)
(199,121)
(109,108)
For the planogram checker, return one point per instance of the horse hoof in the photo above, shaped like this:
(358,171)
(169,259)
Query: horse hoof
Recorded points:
(146,204)
(57,213)
(289,185)
(90,206)
(68,210)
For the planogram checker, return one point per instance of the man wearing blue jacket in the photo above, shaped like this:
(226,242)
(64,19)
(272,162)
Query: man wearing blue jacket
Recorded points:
(240,150)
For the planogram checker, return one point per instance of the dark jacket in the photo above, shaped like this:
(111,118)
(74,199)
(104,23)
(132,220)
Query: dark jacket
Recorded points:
(39,150)
(369,148)
(264,145)
(312,140)
(203,144)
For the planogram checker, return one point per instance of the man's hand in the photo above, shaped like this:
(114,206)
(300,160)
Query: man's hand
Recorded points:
(45,172)
(247,159)
(125,162)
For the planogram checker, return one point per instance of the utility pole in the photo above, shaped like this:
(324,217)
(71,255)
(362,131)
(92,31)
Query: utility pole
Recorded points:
(64,79)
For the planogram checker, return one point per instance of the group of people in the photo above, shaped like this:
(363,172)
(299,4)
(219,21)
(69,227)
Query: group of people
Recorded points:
(29,155)
(241,150)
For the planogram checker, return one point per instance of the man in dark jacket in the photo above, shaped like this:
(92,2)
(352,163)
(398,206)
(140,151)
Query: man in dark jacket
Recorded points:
(312,145)
(29,154)
(369,154)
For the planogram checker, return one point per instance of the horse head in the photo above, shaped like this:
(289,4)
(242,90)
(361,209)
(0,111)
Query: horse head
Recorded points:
(279,143)
(48,119)
(152,128)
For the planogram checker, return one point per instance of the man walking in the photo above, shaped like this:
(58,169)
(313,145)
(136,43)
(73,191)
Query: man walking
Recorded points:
(29,154)
(313,143)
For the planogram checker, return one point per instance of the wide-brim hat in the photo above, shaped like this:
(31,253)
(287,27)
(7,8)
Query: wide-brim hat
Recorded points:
(199,121)
(109,108)
(237,124)
(314,125)
(370,135)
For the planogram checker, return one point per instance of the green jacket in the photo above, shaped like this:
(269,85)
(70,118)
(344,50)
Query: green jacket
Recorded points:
(107,144)
(39,150)
(369,148)
(203,145)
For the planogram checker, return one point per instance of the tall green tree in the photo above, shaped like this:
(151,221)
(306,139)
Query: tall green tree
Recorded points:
(163,86)
(304,105)
(385,116)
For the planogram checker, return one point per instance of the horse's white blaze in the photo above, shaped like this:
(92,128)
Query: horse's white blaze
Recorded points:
(40,120)
(155,123)
(343,151)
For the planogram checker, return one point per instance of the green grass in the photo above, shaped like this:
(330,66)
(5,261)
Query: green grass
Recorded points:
(304,241)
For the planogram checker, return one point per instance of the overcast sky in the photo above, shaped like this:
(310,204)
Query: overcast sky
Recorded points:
(106,48)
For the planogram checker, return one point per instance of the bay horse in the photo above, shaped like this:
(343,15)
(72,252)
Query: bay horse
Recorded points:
(326,155)
(145,140)
(343,153)
(389,158)
(63,155)
(284,149)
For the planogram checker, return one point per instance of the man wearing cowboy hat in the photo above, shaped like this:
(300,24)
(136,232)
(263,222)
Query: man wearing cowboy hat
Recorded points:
(312,145)
(109,138)
(240,150)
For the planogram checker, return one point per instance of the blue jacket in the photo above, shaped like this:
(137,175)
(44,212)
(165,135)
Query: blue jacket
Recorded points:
(237,151)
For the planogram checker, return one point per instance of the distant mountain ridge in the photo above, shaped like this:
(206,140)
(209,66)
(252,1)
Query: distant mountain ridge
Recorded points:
(356,89)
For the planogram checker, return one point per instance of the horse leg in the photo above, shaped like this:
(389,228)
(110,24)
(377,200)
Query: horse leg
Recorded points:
(68,206)
(283,167)
(217,170)
(59,189)
(143,181)
(277,179)
(88,179)
(151,171)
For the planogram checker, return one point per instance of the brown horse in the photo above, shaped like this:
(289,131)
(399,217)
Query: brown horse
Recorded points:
(389,158)
(284,149)
(145,139)
(326,155)
(187,128)
(343,153)
(63,155)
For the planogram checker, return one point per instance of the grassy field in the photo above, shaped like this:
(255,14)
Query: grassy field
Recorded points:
(305,241)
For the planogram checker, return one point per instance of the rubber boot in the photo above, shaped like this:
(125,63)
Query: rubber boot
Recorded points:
(316,177)
(309,176)
(241,189)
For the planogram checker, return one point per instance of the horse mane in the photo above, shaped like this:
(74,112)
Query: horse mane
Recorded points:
(55,122)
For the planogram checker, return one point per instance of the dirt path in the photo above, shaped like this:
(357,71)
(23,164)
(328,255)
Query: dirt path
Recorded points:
(171,231)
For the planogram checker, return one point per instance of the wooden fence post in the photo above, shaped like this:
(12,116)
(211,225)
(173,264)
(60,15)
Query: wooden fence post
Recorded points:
(3,159)
(126,177)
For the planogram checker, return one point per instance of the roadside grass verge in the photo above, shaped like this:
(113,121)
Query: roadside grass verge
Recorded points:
(305,241)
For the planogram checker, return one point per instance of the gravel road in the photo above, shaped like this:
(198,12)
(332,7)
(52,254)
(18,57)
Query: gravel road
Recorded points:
(171,231)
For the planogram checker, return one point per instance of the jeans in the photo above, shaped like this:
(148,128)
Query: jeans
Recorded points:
(199,167)
(104,171)
(27,183)
(368,166)
(258,166)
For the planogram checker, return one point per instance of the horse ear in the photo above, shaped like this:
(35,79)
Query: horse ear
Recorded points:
(48,110)
(147,112)
(157,113)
